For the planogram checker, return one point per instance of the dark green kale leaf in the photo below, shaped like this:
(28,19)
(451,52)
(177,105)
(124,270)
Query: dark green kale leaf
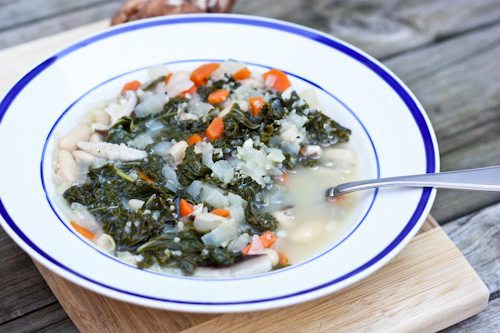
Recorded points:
(104,194)
(246,188)
(239,124)
(259,220)
(205,90)
(322,130)
(184,250)
(191,168)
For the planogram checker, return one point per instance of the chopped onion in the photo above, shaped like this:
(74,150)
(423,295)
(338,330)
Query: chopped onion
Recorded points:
(85,218)
(163,148)
(152,103)
(194,189)
(141,141)
(156,71)
(239,243)
(178,83)
(171,176)
(222,234)
(223,171)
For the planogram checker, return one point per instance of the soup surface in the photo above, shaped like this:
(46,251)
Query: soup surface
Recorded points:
(217,172)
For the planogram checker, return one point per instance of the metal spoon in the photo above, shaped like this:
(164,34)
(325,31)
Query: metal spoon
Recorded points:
(483,179)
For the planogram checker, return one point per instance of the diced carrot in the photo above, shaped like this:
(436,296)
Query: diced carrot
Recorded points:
(132,85)
(193,139)
(218,96)
(185,208)
(221,212)
(283,259)
(144,177)
(246,249)
(167,78)
(215,129)
(281,82)
(201,74)
(242,74)
(190,91)
(83,231)
(268,239)
(256,104)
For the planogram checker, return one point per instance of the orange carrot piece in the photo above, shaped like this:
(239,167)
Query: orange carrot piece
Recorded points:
(190,91)
(256,104)
(215,129)
(242,74)
(167,78)
(132,85)
(185,208)
(283,259)
(144,177)
(83,231)
(221,212)
(201,74)
(218,96)
(268,239)
(281,82)
(246,249)
(193,139)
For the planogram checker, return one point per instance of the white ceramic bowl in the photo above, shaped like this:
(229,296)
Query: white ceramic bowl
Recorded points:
(391,134)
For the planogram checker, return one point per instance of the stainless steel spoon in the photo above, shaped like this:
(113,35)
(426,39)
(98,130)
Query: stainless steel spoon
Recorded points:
(483,179)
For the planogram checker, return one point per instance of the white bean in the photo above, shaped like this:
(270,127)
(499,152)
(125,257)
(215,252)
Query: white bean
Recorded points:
(178,151)
(306,232)
(106,242)
(80,133)
(67,168)
(340,157)
(83,157)
(96,137)
(135,204)
(100,116)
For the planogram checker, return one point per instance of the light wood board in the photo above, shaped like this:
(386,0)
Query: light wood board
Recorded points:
(427,287)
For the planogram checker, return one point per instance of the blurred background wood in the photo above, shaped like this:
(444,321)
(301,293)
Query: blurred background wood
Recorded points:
(446,51)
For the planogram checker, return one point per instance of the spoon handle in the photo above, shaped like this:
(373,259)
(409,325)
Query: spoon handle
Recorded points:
(483,179)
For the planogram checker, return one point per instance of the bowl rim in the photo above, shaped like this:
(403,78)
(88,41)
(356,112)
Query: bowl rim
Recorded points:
(410,229)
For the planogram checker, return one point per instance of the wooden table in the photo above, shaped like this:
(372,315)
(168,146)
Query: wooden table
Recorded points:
(446,51)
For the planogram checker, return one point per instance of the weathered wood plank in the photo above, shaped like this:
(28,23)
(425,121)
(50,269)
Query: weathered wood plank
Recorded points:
(36,320)
(382,27)
(23,289)
(450,205)
(458,83)
(486,321)
(478,237)
(64,22)
(15,13)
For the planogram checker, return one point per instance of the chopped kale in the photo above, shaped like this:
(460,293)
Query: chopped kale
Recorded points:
(191,168)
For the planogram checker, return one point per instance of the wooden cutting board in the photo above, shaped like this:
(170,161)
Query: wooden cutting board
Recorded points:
(427,287)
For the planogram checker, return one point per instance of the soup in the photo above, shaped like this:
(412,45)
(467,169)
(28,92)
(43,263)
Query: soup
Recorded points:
(218,172)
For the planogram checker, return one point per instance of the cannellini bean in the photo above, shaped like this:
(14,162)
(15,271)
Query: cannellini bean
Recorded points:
(273,256)
(112,151)
(205,222)
(100,116)
(67,168)
(313,151)
(340,157)
(306,232)
(106,242)
(258,264)
(83,157)
(178,151)
(80,133)
(96,137)
(135,204)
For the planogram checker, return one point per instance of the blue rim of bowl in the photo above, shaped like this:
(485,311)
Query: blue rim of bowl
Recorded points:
(114,258)
(251,21)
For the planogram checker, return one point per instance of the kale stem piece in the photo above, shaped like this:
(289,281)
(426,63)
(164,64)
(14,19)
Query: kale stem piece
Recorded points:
(124,175)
